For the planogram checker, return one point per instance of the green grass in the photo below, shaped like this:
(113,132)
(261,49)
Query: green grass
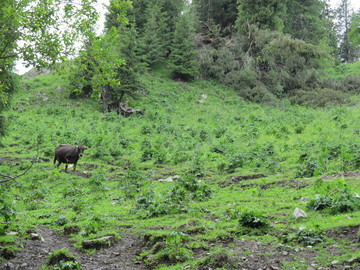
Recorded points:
(343,70)
(217,140)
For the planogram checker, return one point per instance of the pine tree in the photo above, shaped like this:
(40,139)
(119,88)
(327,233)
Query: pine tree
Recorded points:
(263,14)
(354,34)
(182,58)
(347,51)
(307,20)
(154,42)
(219,12)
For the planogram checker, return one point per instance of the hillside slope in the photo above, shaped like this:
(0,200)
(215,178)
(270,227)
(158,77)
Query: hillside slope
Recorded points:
(202,180)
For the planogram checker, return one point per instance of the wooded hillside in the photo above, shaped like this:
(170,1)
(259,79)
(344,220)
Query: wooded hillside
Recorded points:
(217,134)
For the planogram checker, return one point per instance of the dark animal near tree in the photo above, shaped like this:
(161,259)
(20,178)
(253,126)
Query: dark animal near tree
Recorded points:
(68,154)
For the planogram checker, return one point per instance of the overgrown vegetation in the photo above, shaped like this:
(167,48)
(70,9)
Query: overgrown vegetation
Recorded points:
(246,121)
(178,179)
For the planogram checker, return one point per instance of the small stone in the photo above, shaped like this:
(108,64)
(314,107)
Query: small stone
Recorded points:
(10,265)
(334,262)
(298,213)
(348,217)
(36,236)
(169,179)
(102,242)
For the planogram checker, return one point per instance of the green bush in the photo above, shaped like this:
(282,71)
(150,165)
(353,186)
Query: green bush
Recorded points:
(253,220)
(235,161)
(320,202)
(268,66)
(62,260)
(318,97)
(307,237)
(351,84)
(218,259)
(336,198)
(7,213)
(132,182)
(258,94)
(309,166)
(170,251)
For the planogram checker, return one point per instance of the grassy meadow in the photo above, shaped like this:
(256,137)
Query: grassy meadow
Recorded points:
(200,177)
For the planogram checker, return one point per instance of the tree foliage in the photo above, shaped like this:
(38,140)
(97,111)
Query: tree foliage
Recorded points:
(265,65)
(106,68)
(47,29)
(41,32)
(263,14)
(354,33)
(182,58)
(347,51)
(219,12)
(310,21)
(154,39)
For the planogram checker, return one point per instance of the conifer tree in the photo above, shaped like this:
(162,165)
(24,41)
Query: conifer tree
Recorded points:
(354,34)
(263,14)
(219,12)
(182,58)
(307,20)
(347,51)
(153,42)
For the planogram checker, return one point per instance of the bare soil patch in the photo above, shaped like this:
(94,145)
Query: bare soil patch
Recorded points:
(9,160)
(342,175)
(77,173)
(122,255)
(296,184)
(349,233)
(238,179)
(251,254)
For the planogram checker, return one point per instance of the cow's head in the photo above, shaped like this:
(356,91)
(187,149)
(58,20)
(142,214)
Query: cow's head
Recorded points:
(81,149)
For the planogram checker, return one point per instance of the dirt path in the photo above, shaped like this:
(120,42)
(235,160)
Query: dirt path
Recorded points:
(121,256)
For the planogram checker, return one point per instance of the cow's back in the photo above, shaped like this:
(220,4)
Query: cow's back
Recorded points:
(66,153)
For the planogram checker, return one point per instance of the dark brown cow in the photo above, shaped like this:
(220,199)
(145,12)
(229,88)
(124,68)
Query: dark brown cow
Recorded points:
(68,154)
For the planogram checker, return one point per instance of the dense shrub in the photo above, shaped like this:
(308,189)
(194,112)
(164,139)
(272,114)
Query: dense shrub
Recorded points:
(351,84)
(62,259)
(266,66)
(218,259)
(318,97)
(306,237)
(334,197)
(253,220)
